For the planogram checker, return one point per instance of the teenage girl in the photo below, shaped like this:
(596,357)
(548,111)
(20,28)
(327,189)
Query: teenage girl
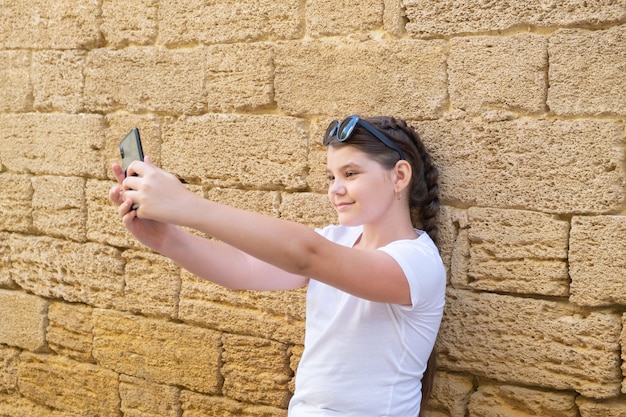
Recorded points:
(376,283)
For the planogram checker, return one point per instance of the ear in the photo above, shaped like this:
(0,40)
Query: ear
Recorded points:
(403,173)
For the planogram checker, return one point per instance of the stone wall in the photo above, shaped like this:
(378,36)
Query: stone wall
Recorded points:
(522,104)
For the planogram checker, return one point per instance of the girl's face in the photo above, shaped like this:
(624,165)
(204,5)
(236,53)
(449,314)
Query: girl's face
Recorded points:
(359,188)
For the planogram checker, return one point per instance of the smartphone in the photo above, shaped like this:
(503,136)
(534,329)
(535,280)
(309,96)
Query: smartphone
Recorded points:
(131,150)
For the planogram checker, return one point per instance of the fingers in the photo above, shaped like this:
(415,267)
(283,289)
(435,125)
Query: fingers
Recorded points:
(118,172)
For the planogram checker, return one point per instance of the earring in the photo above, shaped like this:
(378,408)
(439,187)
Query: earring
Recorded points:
(397,194)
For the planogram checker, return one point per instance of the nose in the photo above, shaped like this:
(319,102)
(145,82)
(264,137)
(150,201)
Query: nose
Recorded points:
(336,187)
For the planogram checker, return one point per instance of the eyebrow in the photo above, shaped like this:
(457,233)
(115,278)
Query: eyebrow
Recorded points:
(346,166)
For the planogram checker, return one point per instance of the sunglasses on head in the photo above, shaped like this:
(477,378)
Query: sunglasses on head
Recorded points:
(342,132)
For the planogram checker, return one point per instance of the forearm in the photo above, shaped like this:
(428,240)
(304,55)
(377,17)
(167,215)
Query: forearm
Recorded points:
(225,265)
(287,245)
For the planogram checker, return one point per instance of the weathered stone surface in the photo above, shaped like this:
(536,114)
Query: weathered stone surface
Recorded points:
(140,398)
(130,22)
(17,92)
(159,351)
(77,272)
(509,400)
(268,382)
(562,166)
(52,144)
(40,24)
(276,315)
(480,82)
(69,385)
(402,77)
(9,360)
(239,76)
(23,321)
(589,407)
(311,209)
(58,80)
(152,284)
(149,79)
(16,203)
(15,405)
(198,405)
(224,21)
(70,330)
(231,150)
(328,17)
(597,260)
(433,17)
(530,341)
(516,251)
(450,395)
(588,71)
(59,207)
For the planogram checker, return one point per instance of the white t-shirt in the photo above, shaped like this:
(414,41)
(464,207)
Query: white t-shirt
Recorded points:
(363,358)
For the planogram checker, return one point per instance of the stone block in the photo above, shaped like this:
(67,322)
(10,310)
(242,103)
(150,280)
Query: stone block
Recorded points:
(264,202)
(509,73)
(53,144)
(87,273)
(58,80)
(530,341)
(59,207)
(70,330)
(152,284)
(145,79)
(69,385)
(516,251)
(16,203)
(224,21)
(508,400)
(404,78)
(15,405)
(9,361)
(239,76)
(328,17)
(597,260)
(23,321)
(130,23)
(142,398)
(5,262)
(198,405)
(587,71)
(561,166)
(450,394)
(311,209)
(17,93)
(41,24)
(588,407)
(159,351)
(277,315)
(428,18)
(256,370)
(232,151)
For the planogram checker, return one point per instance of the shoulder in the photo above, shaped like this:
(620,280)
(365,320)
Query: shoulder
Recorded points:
(422,265)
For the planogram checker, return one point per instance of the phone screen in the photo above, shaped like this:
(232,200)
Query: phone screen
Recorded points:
(130,148)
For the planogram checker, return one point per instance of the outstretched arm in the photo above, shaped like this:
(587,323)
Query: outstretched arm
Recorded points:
(288,246)
(208,259)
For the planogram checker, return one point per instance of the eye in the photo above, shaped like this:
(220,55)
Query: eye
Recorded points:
(330,178)
(350,173)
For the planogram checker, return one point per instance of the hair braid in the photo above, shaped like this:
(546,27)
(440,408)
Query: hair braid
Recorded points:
(424,192)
